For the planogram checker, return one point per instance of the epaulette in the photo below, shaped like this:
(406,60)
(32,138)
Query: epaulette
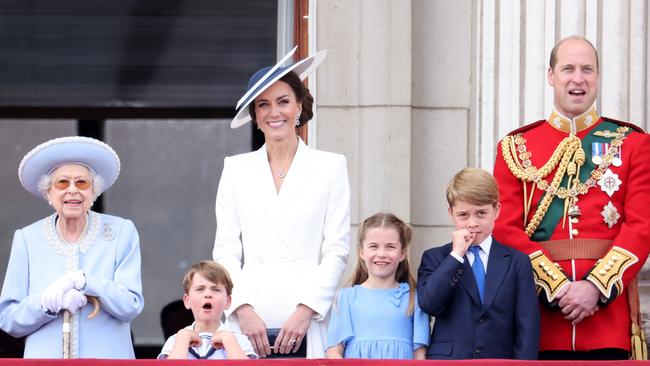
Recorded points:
(626,124)
(526,127)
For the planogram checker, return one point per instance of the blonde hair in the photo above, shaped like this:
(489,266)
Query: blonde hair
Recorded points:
(474,186)
(212,271)
(403,273)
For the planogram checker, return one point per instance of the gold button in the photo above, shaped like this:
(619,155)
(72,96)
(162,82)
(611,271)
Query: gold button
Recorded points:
(607,267)
(541,264)
(611,263)
(615,258)
(546,268)
(557,264)
(574,232)
(602,272)
(555,277)
(574,220)
(550,273)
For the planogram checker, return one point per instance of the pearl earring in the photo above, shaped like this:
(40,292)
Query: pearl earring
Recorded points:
(298,119)
(49,203)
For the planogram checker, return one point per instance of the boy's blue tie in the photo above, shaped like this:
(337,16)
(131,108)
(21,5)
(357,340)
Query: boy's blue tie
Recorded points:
(478,269)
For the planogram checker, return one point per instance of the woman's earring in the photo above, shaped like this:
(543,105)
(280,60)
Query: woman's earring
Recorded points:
(49,203)
(298,120)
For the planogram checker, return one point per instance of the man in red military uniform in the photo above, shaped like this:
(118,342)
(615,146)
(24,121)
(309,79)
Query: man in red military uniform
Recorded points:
(574,193)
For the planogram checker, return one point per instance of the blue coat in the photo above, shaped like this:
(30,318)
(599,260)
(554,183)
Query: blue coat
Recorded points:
(110,259)
(505,326)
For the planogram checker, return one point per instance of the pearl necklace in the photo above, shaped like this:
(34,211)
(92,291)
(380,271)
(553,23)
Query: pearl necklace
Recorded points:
(81,238)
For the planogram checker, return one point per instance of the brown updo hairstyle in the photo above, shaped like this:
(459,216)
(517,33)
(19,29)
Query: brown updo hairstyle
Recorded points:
(303,97)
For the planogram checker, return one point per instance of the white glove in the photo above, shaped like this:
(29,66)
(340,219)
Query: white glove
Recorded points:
(73,300)
(52,297)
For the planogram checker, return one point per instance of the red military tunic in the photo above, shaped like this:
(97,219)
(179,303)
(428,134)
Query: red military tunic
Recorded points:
(622,218)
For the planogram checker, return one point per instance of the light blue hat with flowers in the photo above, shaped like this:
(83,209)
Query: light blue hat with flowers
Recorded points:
(97,156)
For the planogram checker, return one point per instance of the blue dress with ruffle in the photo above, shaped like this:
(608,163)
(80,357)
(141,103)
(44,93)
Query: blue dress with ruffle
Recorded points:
(372,323)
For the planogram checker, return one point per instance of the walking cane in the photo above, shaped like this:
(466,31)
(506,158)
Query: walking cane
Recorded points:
(67,327)
(66,334)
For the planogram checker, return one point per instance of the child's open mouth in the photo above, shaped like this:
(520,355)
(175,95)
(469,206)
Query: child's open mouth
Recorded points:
(207,306)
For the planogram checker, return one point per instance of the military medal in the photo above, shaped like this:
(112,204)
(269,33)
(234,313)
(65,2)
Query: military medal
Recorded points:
(596,159)
(617,158)
(609,182)
(610,214)
(598,149)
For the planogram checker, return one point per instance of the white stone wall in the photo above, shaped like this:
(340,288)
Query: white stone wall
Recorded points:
(513,41)
(364,100)
(441,133)
(394,96)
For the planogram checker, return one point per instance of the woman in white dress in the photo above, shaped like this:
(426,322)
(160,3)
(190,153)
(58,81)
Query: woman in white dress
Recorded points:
(283,219)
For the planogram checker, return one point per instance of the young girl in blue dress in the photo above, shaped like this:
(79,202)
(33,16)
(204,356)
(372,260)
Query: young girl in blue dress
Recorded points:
(379,316)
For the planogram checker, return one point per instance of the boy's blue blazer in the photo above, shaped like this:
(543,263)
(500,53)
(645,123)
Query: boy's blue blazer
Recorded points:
(506,326)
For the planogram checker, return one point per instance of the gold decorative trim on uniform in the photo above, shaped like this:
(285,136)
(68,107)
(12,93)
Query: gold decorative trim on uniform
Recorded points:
(548,275)
(638,345)
(608,272)
(581,122)
(568,157)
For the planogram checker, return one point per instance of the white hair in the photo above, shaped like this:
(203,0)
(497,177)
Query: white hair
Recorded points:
(45,183)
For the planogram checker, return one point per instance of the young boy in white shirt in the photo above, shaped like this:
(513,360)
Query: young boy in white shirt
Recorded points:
(207,293)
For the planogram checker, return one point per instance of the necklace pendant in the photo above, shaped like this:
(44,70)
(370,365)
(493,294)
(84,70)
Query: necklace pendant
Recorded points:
(281,173)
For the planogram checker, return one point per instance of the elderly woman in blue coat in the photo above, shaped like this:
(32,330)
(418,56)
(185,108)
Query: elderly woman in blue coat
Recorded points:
(58,262)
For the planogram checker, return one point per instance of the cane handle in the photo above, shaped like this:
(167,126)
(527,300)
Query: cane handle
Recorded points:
(95,301)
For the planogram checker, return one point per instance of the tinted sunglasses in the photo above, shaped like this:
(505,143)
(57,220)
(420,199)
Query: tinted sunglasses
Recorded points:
(65,183)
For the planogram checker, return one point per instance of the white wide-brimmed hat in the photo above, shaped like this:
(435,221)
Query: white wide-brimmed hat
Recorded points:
(265,77)
(44,158)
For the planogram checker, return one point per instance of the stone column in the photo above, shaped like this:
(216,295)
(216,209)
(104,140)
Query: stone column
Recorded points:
(364,100)
(441,134)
